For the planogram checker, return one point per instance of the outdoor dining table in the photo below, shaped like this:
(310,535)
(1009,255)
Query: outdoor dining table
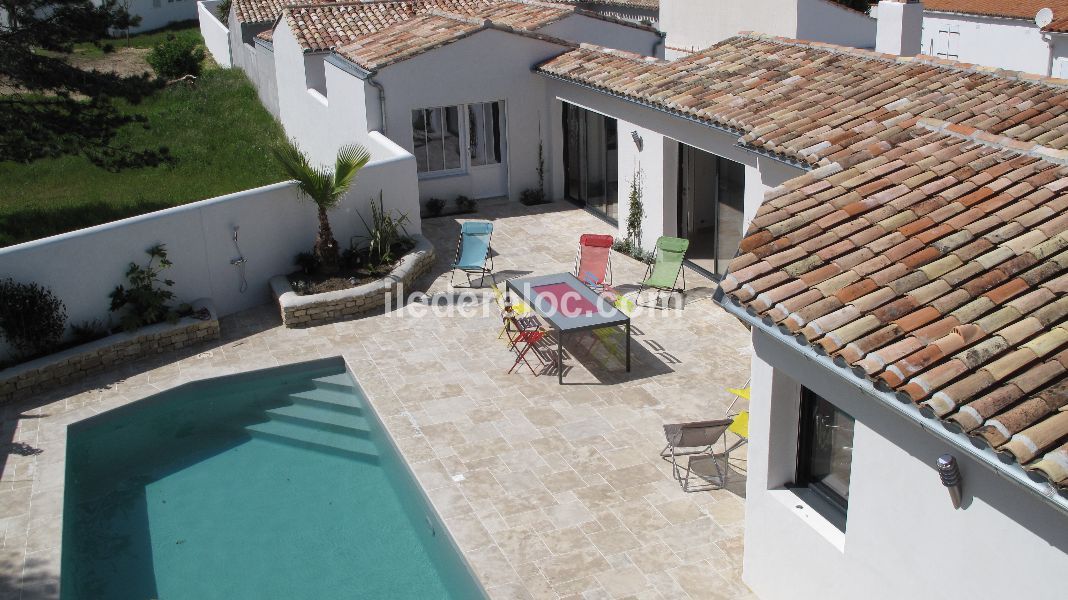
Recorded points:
(568,305)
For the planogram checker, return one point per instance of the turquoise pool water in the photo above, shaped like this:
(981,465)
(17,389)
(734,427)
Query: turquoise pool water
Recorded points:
(273,484)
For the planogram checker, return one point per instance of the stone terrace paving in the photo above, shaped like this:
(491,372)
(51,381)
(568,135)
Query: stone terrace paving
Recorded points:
(551,491)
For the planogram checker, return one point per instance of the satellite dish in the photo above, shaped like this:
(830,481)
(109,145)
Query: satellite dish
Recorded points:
(1044,17)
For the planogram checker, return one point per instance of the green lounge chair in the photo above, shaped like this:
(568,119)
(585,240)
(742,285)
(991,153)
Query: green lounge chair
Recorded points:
(474,252)
(664,273)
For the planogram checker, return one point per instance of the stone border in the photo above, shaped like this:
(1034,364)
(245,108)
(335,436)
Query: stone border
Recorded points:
(328,307)
(70,365)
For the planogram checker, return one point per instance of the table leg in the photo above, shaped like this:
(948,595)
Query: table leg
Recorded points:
(628,346)
(560,356)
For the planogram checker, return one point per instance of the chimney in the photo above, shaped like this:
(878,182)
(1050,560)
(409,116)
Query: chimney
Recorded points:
(899,27)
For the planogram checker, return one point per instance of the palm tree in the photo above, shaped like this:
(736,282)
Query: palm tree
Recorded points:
(324,188)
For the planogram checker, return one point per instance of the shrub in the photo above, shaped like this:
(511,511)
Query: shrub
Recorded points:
(88,331)
(636,212)
(222,10)
(385,234)
(146,299)
(532,196)
(434,206)
(32,319)
(307,261)
(465,204)
(176,56)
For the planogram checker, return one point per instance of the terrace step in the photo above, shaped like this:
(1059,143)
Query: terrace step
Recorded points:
(337,401)
(345,445)
(322,417)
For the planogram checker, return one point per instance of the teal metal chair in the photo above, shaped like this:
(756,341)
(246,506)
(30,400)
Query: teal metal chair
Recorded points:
(474,251)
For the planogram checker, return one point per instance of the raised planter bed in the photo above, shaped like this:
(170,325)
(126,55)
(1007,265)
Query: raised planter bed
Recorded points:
(70,365)
(328,307)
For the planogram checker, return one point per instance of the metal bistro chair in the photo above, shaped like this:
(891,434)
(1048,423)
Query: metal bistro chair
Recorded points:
(694,441)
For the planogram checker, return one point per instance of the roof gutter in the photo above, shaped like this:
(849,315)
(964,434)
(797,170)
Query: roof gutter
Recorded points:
(720,128)
(357,71)
(984,456)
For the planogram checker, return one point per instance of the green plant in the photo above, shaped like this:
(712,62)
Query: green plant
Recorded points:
(541,166)
(385,233)
(88,331)
(532,196)
(176,56)
(308,262)
(146,300)
(32,319)
(434,206)
(636,211)
(325,188)
(465,204)
(222,10)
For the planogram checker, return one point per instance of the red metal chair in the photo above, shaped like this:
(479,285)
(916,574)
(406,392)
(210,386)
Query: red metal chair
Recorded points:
(593,263)
(524,343)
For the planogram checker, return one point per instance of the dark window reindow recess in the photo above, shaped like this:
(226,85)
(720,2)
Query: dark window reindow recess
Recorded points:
(591,165)
(824,449)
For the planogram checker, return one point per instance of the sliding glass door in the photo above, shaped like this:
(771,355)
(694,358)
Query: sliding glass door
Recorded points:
(710,207)
(591,152)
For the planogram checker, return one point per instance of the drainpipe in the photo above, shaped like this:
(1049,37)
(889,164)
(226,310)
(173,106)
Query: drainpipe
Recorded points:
(381,101)
(660,35)
(1048,38)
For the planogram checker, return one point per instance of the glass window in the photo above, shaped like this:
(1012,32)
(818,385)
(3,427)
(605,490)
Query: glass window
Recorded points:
(824,449)
(484,133)
(436,138)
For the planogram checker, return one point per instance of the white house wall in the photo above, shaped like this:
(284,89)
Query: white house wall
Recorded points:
(903,538)
(303,112)
(1015,44)
(216,35)
(696,24)
(262,74)
(490,65)
(584,29)
(658,158)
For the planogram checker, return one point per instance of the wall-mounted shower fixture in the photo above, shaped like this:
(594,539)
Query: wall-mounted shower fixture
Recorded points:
(239,262)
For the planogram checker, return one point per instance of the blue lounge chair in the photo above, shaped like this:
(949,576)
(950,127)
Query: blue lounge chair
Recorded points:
(473,251)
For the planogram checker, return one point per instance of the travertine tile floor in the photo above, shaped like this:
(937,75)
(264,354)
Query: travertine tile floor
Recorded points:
(551,491)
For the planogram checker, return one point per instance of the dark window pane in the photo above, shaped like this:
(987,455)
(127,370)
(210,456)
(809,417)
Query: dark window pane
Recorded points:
(825,449)
(419,139)
(452,137)
(495,131)
(435,153)
(476,126)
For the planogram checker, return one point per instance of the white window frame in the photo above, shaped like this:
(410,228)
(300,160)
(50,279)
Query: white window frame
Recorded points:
(465,143)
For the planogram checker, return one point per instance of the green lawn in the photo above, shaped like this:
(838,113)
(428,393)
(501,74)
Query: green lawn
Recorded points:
(216,128)
(142,40)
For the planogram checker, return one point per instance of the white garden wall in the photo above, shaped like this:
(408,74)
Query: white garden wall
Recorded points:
(903,538)
(82,267)
(216,35)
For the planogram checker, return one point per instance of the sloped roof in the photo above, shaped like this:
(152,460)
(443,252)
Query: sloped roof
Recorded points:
(321,27)
(1012,9)
(812,102)
(937,267)
(419,35)
(648,4)
(265,11)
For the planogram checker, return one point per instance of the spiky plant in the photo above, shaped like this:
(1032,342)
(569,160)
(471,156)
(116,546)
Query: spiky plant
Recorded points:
(325,188)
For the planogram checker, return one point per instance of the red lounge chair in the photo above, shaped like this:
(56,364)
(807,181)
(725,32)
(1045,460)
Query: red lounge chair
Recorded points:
(593,263)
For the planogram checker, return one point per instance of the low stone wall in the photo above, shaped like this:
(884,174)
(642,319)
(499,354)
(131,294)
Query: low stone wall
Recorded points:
(328,307)
(73,364)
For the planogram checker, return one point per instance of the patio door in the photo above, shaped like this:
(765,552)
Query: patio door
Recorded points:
(591,160)
(710,208)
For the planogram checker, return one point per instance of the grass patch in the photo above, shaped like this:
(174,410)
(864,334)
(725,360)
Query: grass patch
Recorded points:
(145,40)
(216,128)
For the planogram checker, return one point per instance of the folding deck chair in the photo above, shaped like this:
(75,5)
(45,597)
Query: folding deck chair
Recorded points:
(473,251)
(694,441)
(664,273)
(524,343)
(593,261)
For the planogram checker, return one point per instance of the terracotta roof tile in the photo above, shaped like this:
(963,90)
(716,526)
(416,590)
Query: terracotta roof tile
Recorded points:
(965,314)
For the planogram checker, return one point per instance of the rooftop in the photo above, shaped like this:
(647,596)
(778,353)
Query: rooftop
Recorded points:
(937,267)
(817,104)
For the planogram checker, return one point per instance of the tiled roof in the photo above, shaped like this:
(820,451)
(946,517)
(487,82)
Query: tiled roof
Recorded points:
(813,102)
(1013,9)
(936,265)
(417,36)
(322,27)
(649,4)
(265,11)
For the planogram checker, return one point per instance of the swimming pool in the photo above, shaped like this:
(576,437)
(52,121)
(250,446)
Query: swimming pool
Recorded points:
(273,484)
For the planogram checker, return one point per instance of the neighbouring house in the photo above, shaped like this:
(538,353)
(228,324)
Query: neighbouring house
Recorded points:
(646,12)
(692,26)
(158,13)
(994,33)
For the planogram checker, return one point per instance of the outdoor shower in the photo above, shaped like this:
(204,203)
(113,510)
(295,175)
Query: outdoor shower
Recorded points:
(239,262)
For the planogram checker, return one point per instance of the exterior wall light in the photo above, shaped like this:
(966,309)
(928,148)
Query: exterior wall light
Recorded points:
(950,474)
(634,135)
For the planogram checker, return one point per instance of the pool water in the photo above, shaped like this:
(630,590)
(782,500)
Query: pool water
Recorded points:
(273,484)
